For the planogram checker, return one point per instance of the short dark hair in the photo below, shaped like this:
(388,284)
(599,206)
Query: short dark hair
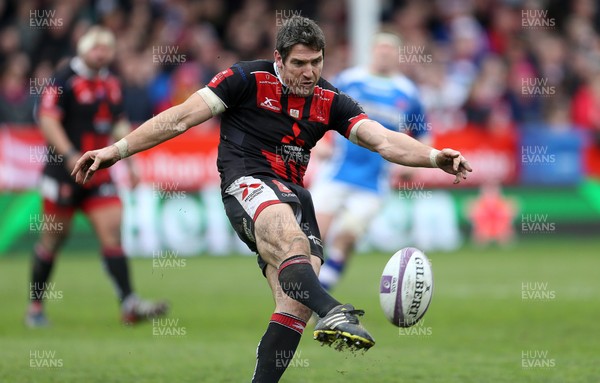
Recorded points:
(299,30)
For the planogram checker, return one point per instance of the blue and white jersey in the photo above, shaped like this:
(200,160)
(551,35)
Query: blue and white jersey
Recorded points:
(391,101)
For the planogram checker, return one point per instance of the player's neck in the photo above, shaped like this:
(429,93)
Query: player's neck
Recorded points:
(84,70)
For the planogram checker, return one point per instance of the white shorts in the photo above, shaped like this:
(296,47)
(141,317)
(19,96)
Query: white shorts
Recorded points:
(353,207)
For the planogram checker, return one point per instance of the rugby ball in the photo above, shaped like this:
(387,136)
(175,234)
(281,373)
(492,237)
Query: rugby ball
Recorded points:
(406,287)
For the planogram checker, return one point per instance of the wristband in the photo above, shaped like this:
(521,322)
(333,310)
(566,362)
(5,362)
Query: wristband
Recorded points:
(432,158)
(122,147)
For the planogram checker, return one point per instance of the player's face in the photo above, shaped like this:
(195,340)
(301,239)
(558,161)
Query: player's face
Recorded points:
(100,56)
(385,58)
(301,69)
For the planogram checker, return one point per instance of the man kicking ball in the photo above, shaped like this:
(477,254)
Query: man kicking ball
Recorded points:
(272,114)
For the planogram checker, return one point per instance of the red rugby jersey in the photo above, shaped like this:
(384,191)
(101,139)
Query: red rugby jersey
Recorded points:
(268,130)
(87,106)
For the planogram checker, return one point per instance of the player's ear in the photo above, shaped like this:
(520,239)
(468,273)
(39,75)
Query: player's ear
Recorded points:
(278,58)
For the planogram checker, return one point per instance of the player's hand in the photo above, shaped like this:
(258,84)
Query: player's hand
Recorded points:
(451,161)
(93,160)
(72,160)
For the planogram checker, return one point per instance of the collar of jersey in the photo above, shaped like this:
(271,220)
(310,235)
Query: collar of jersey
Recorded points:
(278,74)
(83,70)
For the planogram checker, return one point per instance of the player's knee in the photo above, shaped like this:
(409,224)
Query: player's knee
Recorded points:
(277,249)
(278,239)
(296,309)
(298,245)
(52,242)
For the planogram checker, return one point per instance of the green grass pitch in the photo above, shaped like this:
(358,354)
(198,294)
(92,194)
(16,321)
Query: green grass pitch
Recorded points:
(524,314)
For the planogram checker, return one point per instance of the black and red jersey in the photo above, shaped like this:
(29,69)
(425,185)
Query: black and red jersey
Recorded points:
(87,105)
(270,131)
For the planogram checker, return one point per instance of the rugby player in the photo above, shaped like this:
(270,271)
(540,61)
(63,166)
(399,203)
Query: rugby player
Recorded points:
(272,114)
(82,110)
(349,192)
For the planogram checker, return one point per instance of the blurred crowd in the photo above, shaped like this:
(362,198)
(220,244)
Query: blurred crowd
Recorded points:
(494,64)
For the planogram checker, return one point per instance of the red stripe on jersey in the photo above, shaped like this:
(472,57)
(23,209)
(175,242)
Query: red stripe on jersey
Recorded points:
(298,172)
(277,163)
(220,77)
(289,321)
(268,91)
(353,122)
(280,167)
(295,107)
(320,107)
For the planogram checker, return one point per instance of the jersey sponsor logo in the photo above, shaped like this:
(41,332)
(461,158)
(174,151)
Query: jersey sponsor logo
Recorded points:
(292,150)
(282,188)
(249,191)
(271,104)
(295,138)
(268,91)
(296,106)
(252,194)
(219,77)
(320,107)
(266,82)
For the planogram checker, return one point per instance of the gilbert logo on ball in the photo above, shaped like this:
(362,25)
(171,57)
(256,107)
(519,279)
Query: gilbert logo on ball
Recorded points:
(406,287)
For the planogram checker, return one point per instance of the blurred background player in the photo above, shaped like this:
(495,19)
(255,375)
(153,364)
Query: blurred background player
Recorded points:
(81,110)
(351,189)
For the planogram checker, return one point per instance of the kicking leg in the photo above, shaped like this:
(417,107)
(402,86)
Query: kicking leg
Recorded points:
(283,245)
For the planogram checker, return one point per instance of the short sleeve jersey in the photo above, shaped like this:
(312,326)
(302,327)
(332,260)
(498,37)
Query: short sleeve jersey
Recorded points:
(87,108)
(267,130)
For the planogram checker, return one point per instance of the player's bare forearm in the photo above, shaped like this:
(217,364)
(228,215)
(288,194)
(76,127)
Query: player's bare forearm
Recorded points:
(158,129)
(395,147)
(55,135)
(168,124)
(402,149)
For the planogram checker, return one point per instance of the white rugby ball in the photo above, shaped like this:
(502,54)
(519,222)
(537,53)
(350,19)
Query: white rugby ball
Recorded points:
(406,287)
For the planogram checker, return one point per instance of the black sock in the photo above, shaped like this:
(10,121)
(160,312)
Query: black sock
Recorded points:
(299,281)
(40,273)
(277,347)
(116,266)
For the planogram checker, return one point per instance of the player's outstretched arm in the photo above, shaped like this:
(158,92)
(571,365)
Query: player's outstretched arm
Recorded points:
(402,149)
(156,130)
